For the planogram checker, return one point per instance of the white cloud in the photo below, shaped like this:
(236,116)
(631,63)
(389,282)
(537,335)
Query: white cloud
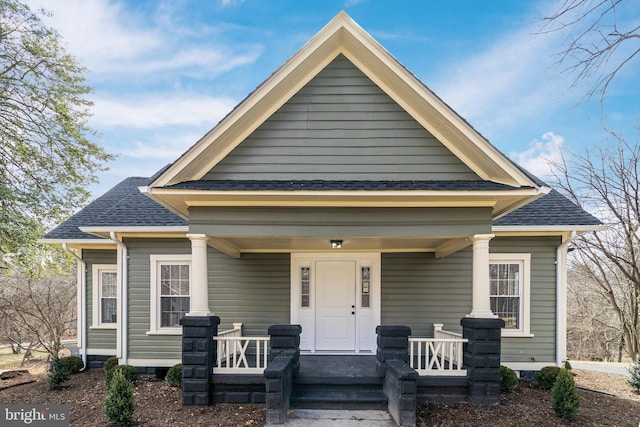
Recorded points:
(508,83)
(109,38)
(160,111)
(229,3)
(540,154)
(161,147)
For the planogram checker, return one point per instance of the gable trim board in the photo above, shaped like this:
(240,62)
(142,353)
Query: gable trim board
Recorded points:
(343,36)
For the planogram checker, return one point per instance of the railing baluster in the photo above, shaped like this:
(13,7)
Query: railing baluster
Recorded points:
(442,355)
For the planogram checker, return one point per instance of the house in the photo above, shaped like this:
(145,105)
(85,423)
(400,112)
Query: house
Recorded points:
(340,195)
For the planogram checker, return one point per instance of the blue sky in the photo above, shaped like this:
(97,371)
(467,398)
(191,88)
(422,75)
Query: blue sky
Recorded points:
(165,72)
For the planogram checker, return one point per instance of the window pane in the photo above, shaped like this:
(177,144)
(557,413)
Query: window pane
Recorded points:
(505,292)
(109,310)
(305,287)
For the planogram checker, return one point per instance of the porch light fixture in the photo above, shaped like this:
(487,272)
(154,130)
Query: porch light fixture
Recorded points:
(336,244)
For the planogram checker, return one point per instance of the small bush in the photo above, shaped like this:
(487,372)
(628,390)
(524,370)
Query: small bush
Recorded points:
(174,376)
(508,379)
(72,364)
(634,375)
(109,364)
(566,400)
(128,371)
(547,377)
(567,365)
(119,405)
(56,374)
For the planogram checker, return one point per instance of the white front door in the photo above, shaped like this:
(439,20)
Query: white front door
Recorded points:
(335,305)
(335,297)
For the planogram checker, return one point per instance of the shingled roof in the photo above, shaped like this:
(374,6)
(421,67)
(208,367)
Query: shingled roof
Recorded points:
(125,206)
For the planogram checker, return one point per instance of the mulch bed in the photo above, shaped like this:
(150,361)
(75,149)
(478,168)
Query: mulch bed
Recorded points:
(159,405)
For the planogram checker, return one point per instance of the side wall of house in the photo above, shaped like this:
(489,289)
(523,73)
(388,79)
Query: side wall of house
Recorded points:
(419,290)
(253,289)
(98,339)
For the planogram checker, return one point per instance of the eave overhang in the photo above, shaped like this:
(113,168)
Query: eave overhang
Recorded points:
(137,231)
(502,202)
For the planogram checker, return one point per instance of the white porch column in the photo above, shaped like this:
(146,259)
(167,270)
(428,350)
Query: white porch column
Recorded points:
(481,305)
(199,282)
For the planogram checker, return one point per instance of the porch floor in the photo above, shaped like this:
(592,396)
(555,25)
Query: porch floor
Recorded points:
(338,366)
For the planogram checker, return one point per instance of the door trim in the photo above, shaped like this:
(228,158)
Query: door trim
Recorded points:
(366,318)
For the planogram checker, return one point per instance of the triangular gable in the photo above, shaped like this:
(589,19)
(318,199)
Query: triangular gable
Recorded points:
(343,126)
(343,36)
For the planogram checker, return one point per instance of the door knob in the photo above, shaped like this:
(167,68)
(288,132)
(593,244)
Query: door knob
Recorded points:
(353,306)
(353,312)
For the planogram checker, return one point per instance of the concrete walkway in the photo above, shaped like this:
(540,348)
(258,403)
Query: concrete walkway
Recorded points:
(606,367)
(331,418)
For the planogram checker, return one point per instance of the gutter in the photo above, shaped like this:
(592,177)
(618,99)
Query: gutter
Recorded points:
(561,299)
(82,303)
(123,300)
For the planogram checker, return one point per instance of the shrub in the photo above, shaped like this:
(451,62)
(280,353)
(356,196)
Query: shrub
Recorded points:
(56,374)
(174,376)
(119,405)
(634,375)
(566,400)
(72,364)
(567,365)
(128,371)
(508,379)
(109,364)
(547,377)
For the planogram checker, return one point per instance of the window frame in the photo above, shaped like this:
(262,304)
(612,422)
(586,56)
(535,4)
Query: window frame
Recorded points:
(524,315)
(155,321)
(96,290)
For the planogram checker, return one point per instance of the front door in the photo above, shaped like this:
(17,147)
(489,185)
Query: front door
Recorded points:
(335,306)
(335,297)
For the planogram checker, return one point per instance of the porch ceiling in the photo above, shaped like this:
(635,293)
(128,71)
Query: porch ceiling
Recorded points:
(439,245)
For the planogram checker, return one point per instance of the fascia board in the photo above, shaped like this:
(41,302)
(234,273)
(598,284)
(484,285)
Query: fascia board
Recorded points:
(546,228)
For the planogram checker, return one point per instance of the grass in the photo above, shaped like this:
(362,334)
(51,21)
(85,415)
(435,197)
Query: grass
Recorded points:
(9,361)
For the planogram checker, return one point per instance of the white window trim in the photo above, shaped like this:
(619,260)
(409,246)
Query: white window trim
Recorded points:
(95,291)
(525,292)
(154,321)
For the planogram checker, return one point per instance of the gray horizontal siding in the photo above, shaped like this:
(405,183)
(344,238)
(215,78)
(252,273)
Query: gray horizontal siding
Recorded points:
(97,338)
(542,346)
(346,222)
(341,126)
(419,290)
(253,290)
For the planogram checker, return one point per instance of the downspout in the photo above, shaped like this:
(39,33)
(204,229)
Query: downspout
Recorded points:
(124,303)
(82,322)
(561,300)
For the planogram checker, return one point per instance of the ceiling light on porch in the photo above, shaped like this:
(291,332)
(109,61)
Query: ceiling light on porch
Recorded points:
(336,244)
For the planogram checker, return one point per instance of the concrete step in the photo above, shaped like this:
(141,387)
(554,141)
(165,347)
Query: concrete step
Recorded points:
(351,397)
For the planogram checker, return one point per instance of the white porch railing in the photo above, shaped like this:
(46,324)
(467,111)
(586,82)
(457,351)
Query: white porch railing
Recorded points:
(440,355)
(234,349)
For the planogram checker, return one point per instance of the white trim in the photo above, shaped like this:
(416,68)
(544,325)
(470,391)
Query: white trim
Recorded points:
(102,351)
(371,314)
(527,366)
(154,363)
(96,269)
(136,229)
(154,320)
(525,291)
(561,299)
(77,241)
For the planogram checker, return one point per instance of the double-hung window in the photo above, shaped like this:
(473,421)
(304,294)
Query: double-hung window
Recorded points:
(509,276)
(105,295)
(170,292)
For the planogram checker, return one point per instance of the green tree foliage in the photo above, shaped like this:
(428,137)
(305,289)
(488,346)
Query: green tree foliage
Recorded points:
(46,158)
(56,373)
(119,405)
(566,400)
(128,371)
(633,380)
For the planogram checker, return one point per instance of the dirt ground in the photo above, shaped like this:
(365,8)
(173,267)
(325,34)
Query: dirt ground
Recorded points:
(614,404)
